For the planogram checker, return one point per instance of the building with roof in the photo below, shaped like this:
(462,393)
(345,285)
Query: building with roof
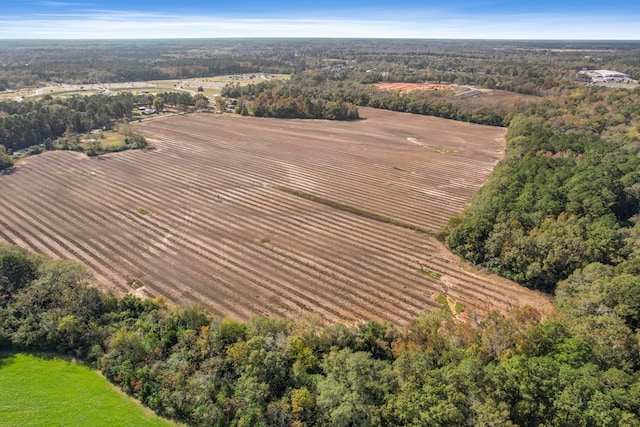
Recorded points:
(608,76)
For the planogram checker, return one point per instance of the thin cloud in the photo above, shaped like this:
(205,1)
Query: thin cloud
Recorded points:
(101,24)
(61,4)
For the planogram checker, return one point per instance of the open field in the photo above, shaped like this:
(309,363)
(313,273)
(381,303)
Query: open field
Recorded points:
(268,216)
(76,89)
(211,86)
(409,87)
(45,392)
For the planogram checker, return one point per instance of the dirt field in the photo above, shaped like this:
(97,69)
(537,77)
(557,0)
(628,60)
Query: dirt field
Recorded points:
(209,215)
(409,87)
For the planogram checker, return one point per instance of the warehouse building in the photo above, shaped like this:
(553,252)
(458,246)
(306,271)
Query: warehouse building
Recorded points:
(608,76)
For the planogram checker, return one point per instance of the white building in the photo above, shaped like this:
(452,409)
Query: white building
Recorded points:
(608,76)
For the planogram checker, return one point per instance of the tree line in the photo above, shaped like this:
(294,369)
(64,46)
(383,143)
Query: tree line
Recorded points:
(47,121)
(31,123)
(306,93)
(275,99)
(579,367)
(565,195)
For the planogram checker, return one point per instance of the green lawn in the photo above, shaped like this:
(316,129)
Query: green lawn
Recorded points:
(53,392)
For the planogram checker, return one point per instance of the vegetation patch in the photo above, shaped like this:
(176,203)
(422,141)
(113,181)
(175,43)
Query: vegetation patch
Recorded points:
(5,160)
(442,299)
(445,150)
(353,209)
(430,273)
(45,391)
(142,211)
(273,99)
(135,283)
(449,306)
(544,214)
(110,142)
(84,123)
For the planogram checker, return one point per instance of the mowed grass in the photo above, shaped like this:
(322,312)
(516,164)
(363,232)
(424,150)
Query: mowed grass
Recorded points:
(107,140)
(35,391)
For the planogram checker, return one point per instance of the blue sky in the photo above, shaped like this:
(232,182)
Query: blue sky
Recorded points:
(541,19)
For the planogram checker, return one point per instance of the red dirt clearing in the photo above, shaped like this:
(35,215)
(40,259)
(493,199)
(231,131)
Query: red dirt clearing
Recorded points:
(409,87)
(204,218)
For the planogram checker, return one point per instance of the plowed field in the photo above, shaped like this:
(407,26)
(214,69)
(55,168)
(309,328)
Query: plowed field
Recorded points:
(266,216)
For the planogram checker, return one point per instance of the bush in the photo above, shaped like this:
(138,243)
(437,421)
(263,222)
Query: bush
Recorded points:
(5,159)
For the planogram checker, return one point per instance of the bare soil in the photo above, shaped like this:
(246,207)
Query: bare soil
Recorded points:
(203,218)
(409,87)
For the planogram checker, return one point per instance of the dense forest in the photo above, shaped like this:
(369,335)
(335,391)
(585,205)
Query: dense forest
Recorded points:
(578,368)
(566,194)
(560,213)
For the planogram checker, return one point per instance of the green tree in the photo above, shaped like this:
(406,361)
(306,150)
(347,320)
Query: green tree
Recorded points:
(158,103)
(354,389)
(221,103)
(430,396)
(18,268)
(5,159)
(200,102)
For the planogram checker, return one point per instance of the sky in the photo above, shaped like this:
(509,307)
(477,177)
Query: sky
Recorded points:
(450,19)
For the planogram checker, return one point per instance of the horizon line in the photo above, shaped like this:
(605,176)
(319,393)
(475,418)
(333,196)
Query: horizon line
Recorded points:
(523,39)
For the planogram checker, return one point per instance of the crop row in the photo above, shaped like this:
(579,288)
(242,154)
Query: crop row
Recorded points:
(202,218)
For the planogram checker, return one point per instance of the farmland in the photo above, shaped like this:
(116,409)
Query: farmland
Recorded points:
(264,216)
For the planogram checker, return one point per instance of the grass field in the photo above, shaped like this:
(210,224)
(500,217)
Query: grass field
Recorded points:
(107,140)
(36,391)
